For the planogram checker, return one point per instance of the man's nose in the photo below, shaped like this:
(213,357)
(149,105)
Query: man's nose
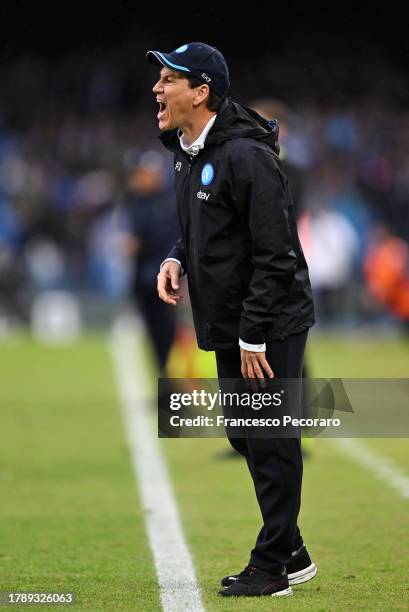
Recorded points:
(157,88)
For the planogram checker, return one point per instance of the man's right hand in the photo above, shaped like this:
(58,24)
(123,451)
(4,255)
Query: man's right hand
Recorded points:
(168,282)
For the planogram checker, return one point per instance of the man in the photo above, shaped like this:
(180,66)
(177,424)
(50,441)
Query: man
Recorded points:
(248,280)
(152,227)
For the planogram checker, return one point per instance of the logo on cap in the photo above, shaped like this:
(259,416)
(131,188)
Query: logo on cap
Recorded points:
(182,49)
(207,174)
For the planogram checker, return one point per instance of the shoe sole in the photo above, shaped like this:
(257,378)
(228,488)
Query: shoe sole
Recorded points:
(286,593)
(303,575)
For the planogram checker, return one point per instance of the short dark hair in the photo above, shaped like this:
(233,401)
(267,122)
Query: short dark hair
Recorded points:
(213,102)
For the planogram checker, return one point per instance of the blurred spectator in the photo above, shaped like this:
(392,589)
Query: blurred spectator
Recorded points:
(153,229)
(387,273)
(12,275)
(330,245)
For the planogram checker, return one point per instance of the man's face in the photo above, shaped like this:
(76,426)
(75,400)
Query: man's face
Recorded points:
(175,97)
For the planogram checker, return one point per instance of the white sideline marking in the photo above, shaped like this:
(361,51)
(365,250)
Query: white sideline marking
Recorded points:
(381,467)
(174,567)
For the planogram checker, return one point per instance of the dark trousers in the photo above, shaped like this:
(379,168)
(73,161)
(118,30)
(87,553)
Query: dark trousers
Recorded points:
(275,464)
(160,321)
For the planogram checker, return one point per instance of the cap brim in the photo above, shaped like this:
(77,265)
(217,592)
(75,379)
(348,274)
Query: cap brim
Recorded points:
(165,59)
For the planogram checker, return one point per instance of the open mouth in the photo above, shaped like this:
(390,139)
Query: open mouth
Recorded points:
(162,108)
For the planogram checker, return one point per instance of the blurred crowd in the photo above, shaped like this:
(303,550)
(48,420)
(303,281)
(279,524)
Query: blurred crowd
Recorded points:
(87,206)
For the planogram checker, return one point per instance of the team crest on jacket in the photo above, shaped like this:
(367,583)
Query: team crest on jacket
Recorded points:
(207,174)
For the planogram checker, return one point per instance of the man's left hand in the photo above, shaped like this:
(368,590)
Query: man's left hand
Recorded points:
(255,365)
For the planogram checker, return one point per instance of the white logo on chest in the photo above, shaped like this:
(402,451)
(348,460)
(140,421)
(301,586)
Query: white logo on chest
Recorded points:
(202,195)
(178,166)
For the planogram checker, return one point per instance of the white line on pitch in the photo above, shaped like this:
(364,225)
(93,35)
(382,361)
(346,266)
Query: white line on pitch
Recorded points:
(174,567)
(382,468)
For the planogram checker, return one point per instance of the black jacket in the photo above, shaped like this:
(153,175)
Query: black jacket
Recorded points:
(246,270)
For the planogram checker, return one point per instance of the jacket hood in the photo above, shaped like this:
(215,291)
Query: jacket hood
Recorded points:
(234,120)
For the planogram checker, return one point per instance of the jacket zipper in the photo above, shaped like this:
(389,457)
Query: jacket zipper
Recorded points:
(193,215)
(194,220)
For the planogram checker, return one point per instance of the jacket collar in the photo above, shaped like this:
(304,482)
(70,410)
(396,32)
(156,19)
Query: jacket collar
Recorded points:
(194,148)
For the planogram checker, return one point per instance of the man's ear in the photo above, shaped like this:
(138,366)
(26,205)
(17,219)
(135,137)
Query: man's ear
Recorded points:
(202,93)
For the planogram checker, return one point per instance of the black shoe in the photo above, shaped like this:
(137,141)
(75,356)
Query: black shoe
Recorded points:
(256,582)
(299,568)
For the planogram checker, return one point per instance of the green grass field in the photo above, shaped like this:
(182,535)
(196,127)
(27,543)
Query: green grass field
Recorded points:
(70,514)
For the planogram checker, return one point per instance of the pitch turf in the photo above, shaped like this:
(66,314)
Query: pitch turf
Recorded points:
(70,517)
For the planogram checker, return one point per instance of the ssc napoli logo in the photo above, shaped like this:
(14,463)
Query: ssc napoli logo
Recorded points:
(182,49)
(207,174)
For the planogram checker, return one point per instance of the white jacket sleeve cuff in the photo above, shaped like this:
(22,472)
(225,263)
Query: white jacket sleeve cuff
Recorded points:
(173,259)
(255,348)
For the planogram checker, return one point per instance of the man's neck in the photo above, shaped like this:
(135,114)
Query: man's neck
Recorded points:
(192,130)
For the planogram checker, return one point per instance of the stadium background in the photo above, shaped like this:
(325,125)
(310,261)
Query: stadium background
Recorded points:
(77,117)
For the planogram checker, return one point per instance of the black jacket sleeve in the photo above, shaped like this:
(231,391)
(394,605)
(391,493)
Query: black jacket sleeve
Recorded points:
(264,201)
(178,252)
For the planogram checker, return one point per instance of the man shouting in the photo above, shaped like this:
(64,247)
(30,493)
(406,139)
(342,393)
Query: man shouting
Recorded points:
(248,280)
